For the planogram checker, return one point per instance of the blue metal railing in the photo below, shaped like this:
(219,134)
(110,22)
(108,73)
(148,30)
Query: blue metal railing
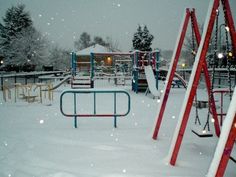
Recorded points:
(95,114)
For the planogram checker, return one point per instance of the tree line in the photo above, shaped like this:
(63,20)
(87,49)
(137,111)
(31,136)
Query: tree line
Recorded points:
(22,46)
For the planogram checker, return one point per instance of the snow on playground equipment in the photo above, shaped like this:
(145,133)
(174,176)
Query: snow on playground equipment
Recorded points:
(101,65)
(94,92)
(6,93)
(80,81)
(183,28)
(226,142)
(151,82)
(199,65)
(28,92)
(105,67)
(139,60)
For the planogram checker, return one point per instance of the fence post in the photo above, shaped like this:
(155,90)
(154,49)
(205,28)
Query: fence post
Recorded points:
(115,125)
(75,112)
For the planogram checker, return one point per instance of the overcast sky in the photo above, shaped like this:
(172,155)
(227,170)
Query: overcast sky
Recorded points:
(64,20)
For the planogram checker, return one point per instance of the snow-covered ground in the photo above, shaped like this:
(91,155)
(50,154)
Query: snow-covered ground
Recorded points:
(36,140)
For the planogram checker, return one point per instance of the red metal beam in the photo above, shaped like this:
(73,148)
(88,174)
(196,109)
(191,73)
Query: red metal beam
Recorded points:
(171,75)
(227,150)
(207,76)
(193,85)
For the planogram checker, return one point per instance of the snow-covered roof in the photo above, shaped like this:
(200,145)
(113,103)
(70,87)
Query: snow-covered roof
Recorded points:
(93,49)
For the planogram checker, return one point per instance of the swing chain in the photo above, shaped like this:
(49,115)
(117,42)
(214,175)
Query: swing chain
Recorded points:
(227,50)
(213,72)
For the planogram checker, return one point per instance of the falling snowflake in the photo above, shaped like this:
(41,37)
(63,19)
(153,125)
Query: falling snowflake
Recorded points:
(173,117)
(41,121)
(52,18)
(48,23)
(5,143)
(62,19)
(124,170)
(40,15)
(118,5)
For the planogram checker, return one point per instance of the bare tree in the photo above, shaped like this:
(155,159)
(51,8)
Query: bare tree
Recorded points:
(83,42)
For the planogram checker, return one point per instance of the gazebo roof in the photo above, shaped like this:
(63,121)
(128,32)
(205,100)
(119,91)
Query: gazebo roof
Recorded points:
(93,49)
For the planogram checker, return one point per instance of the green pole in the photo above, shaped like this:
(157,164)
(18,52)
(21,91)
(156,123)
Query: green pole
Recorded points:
(75,112)
(115,125)
(92,69)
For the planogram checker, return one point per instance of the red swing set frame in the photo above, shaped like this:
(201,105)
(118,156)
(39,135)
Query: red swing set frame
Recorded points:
(199,66)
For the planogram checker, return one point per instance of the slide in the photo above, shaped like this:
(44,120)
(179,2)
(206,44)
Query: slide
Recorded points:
(151,81)
(60,83)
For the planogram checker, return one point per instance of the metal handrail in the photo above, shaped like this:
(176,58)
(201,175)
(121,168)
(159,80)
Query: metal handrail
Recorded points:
(94,92)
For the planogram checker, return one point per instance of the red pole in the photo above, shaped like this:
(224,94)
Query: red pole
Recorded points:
(195,76)
(207,77)
(170,75)
(227,150)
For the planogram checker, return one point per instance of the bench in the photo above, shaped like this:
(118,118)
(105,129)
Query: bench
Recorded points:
(177,83)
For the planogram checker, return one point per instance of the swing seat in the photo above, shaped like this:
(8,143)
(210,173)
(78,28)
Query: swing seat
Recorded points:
(201,104)
(197,130)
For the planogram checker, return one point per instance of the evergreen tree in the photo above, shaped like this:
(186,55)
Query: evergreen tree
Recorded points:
(28,47)
(15,20)
(142,39)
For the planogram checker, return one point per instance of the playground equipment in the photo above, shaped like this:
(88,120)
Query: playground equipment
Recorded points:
(80,81)
(199,65)
(183,28)
(6,93)
(226,142)
(106,66)
(139,60)
(28,92)
(94,92)
(151,81)
(64,80)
